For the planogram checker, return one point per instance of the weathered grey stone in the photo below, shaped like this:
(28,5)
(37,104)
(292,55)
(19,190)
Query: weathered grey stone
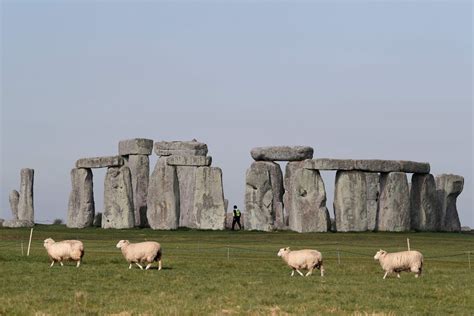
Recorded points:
(17,223)
(226,204)
(369,165)
(305,199)
(139,166)
(465,229)
(135,146)
(394,203)
(187,187)
(259,198)
(180,148)
(373,192)
(100,162)
(118,199)
(209,205)
(25,203)
(425,207)
(282,153)
(81,207)
(196,161)
(14,199)
(350,201)
(449,186)
(276,180)
(163,197)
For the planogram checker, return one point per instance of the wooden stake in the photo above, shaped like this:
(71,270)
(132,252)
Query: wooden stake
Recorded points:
(29,243)
(469,259)
(338,257)
(21,248)
(408,244)
(228,253)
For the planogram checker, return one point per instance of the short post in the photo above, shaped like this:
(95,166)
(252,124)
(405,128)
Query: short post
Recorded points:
(29,243)
(22,249)
(228,252)
(469,259)
(408,244)
(338,257)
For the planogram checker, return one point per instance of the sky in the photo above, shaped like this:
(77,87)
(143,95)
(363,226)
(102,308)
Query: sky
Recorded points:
(352,79)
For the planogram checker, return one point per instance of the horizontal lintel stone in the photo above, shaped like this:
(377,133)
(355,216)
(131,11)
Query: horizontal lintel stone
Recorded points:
(189,161)
(180,148)
(135,146)
(368,165)
(100,162)
(282,153)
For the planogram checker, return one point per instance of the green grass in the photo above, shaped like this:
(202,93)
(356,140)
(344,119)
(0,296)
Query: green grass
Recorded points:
(233,273)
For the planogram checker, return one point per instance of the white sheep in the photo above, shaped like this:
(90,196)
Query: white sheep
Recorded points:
(302,259)
(64,250)
(148,252)
(400,261)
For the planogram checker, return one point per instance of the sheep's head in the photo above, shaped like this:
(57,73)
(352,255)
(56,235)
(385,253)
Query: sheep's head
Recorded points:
(122,243)
(48,242)
(379,254)
(283,251)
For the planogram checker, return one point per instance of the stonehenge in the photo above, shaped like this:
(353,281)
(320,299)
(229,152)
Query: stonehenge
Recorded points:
(369,194)
(81,206)
(21,203)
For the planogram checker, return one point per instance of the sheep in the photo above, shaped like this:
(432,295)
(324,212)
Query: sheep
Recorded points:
(400,261)
(64,250)
(147,251)
(302,259)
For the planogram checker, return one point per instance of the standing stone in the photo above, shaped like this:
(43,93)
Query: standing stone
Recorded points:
(187,186)
(118,199)
(259,197)
(25,202)
(14,198)
(209,205)
(81,200)
(305,199)
(425,208)
(276,180)
(163,197)
(394,203)
(449,186)
(139,166)
(350,201)
(373,192)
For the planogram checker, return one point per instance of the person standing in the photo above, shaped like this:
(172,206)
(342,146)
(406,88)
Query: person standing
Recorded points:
(236,218)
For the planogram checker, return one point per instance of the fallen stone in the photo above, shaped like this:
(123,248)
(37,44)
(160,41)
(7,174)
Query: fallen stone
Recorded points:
(350,201)
(139,166)
(118,199)
(187,187)
(196,161)
(282,153)
(163,197)
(259,197)
(394,203)
(209,205)
(18,223)
(81,207)
(368,165)
(14,199)
(449,186)
(25,202)
(425,208)
(180,148)
(465,229)
(135,146)
(100,162)
(373,192)
(305,198)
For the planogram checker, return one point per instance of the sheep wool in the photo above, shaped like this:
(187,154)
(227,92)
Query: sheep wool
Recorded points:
(302,259)
(143,252)
(400,261)
(60,251)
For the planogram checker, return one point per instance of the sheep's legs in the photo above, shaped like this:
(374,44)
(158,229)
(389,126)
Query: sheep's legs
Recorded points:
(141,268)
(148,266)
(398,275)
(292,272)
(299,272)
(52,264)
(78,264)
(322,271)
(386,273)
(159,265)
(309,272)
(62,265)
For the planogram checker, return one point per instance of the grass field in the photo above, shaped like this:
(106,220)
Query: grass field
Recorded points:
(228,273)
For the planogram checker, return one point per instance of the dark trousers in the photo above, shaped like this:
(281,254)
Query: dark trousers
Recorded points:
(236,220)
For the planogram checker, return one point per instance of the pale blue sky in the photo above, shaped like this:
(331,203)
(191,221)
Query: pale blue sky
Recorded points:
(390,80)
